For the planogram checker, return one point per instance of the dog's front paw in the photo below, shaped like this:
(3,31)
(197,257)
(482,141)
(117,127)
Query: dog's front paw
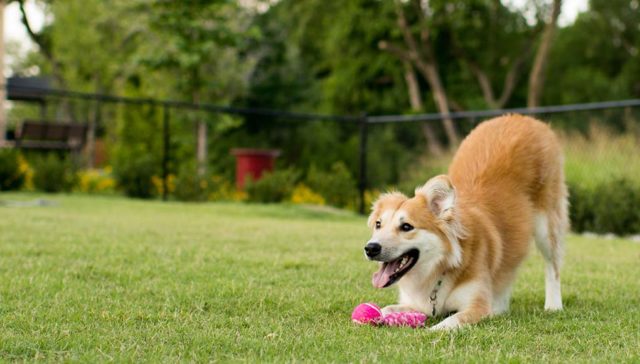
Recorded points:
(450,323)
(395,308)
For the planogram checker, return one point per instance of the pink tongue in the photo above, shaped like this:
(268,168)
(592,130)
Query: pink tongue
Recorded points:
(383,276)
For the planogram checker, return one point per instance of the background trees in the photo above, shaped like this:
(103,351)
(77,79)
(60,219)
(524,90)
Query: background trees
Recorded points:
(337,57)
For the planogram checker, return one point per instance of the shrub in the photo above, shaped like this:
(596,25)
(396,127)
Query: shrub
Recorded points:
(336,185)
(304,195)
(159,185)
(189,186)
(609,207)
(96,181)
(134,176)
(616,206)
(581,211)
(27,171)
(273,186)
(370,196)
(221,189)
(11,177)
(53,173)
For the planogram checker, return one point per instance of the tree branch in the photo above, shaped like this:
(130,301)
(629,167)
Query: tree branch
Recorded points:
(415,98)
(484,82)
(406,32)
(398,51)
(424,25)
(483,79)
(536,77)
(35,37)
(511,79)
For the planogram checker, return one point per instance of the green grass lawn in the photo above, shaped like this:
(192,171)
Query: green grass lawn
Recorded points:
(97,279)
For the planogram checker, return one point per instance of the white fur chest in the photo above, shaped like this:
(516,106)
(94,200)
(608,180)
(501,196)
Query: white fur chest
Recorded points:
(423,297)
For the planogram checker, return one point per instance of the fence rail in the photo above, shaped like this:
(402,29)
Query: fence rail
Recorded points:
(497,112)
(362,120)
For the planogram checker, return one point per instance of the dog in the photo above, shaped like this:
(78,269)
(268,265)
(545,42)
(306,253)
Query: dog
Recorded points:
(454,248)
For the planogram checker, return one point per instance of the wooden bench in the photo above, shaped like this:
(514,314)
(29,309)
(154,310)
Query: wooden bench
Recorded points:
(51,136)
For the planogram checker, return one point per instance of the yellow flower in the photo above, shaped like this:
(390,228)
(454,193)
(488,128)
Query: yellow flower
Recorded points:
(95,181)
(223,190)
(370,196)
(304,195)
(26,170)
(157,183)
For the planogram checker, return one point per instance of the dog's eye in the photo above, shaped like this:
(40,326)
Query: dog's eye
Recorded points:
(406,227)
(378,224)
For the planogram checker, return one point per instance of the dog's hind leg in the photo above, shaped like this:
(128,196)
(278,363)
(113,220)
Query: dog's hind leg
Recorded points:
(550,228)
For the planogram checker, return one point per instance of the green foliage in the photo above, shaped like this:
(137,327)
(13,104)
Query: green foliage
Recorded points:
(274,186)
(609,207)
(323,56)
(336,185)
(581,212)
(53,173)
(134,175)
(597,57)
(189,185)
(11,177)
(615,206)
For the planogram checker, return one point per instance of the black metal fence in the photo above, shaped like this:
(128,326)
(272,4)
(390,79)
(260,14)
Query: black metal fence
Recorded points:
(575,114)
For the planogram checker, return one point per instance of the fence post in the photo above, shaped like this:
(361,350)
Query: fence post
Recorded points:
(165,152)
(362,178)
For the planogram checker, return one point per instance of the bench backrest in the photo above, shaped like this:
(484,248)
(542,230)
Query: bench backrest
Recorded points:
(71,135)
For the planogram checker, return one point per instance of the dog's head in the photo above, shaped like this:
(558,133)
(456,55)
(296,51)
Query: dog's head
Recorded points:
(422,230)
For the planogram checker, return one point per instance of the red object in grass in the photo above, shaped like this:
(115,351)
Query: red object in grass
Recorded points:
(253,163)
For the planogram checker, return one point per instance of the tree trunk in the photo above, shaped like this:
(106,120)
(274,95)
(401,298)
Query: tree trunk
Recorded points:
(91,138)
(415,98)
(201,142)
(537,76)
(3,120)
(422,58)
(202,148)
(430,73)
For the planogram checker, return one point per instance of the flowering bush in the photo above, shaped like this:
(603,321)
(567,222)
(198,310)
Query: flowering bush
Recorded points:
(222,190)
(336,185)
(11,173)
(274,186)
(159,185)
(304,195)
(26,171)
(96,181)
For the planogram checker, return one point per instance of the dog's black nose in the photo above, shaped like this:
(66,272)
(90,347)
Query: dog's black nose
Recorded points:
(372,249)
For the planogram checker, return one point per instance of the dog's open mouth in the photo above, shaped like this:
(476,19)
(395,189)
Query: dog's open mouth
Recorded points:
(391,271)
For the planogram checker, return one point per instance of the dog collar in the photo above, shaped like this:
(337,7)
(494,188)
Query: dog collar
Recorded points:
(433,297)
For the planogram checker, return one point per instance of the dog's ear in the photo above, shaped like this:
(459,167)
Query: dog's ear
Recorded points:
(440,195)
(389,200)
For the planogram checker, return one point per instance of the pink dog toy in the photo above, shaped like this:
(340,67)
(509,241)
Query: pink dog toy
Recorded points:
(370,313)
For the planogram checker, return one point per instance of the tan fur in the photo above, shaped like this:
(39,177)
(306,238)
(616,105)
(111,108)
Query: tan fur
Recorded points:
(506,176)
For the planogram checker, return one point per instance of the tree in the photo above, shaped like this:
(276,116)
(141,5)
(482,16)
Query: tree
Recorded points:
(421,55)
(537,75)
(198,41)
(3,119)
(415,97)
(490,42)
(597,57)
(43,40)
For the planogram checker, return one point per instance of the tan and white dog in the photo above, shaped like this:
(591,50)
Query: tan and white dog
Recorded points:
(456,245)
